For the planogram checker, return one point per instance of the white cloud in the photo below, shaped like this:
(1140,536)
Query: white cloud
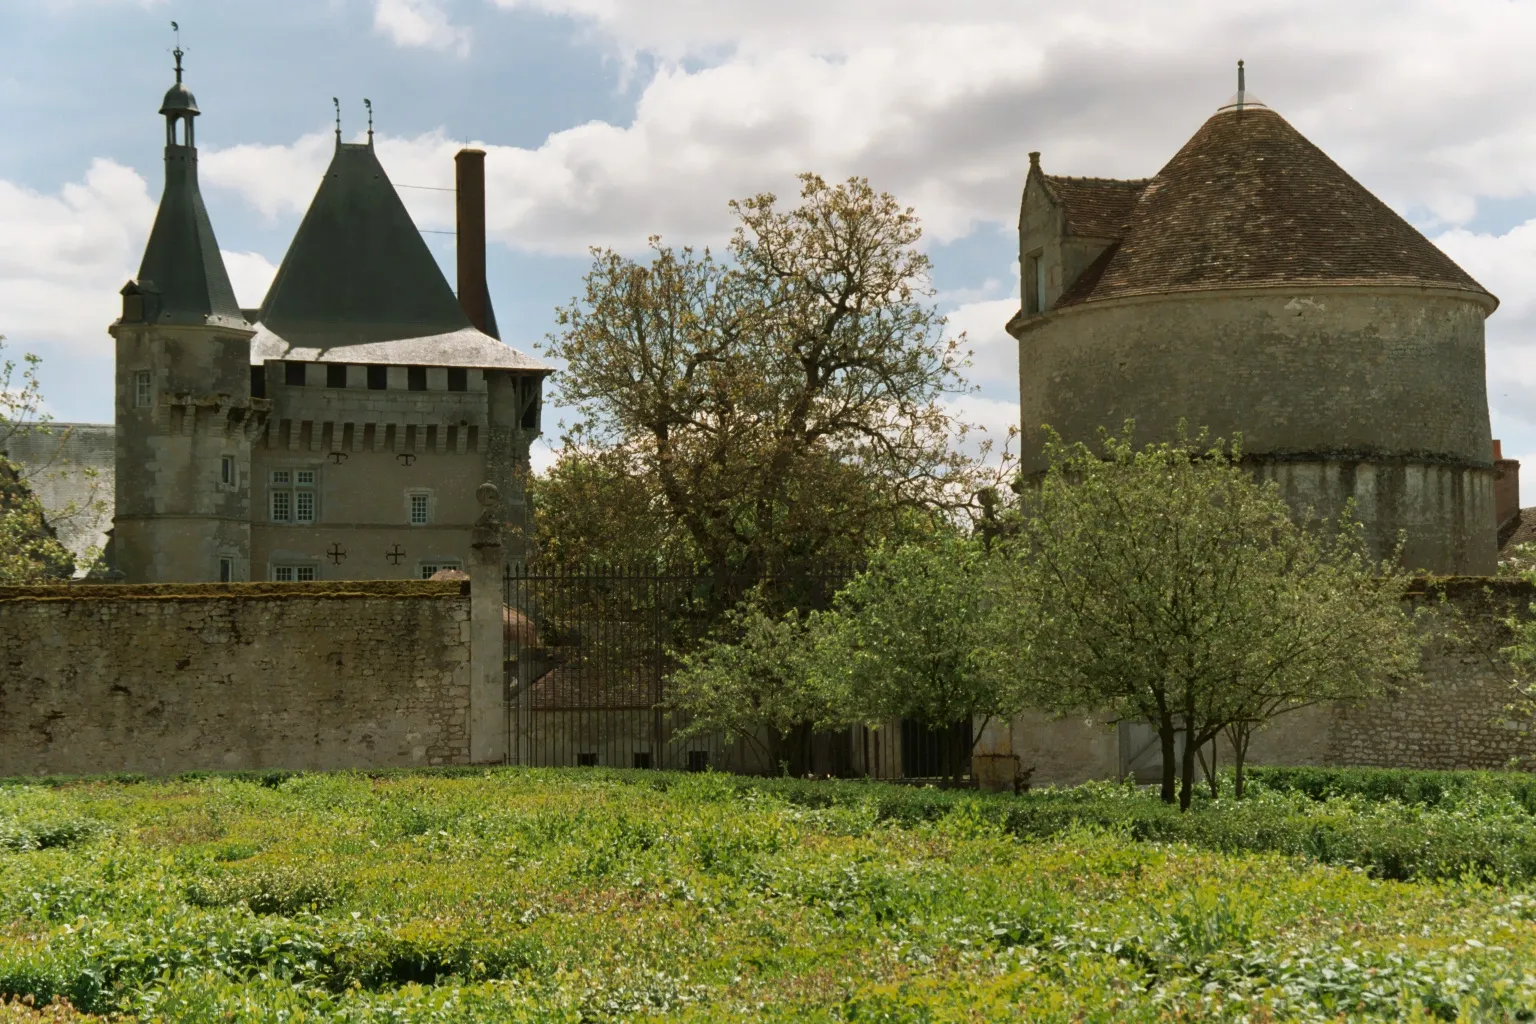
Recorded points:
(419,23)
(251,275)
(66,255)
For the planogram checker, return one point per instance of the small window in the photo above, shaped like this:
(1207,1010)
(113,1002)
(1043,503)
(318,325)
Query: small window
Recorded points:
(586,760)
(336,375)
(416,378)
(293,374)
(258,382)
(227,477)
(458,378)
(226,570)
(421,508)
(429,568)
(293,573)
(642,759)
(143,389)
(1034,284)
(378,378)
(698,760)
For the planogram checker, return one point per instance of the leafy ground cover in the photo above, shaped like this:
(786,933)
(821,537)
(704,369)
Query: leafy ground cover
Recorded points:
(589,895)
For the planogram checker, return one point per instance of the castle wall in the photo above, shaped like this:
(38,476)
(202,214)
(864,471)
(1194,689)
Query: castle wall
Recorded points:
(70,467)
(162,679)
(1335,377)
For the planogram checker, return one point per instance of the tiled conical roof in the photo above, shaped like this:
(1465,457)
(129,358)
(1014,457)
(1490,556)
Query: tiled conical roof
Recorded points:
(1249,202)
(358,270)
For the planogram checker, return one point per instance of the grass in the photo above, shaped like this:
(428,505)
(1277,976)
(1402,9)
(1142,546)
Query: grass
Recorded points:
(517,895)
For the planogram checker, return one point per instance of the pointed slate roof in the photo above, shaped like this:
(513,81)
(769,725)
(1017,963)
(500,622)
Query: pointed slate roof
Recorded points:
(1249,202)
(359,284)
(182,261)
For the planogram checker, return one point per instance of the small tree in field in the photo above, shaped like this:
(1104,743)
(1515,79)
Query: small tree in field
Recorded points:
(1166,584)
(751,681)
(908,638)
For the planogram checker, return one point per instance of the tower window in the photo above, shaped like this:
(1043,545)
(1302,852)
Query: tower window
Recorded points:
(143,389)
(458,378)
(336,375)
(258,382)
(226,570)
(420,506)
(293,573)
(416,378)
(293,374)
(228,474)
(378,378)
(1034,284)
(291,496)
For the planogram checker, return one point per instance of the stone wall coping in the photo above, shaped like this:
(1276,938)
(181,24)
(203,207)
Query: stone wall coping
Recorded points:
(314,590)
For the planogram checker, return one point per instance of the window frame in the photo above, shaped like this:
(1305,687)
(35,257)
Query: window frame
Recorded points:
(143,389)
(229,473)
(410,507)
(436,565)
(295,572)
(226,569)
(291,484)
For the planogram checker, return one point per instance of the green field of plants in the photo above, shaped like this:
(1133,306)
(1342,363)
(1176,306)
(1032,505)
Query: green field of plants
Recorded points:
(588,895)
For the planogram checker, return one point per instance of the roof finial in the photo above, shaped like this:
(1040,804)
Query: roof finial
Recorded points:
(369,104)
(337,104)
(1241,88)
(178,51)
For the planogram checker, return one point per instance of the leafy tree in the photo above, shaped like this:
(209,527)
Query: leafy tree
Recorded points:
(1166,584)
(908,638)
(752,681)
(30,551)
(783,407)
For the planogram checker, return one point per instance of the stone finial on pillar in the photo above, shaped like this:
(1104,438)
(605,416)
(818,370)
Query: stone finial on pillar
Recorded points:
(485,538)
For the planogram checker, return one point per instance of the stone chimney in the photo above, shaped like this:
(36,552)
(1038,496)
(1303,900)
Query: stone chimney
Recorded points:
(474,297)
(1506,488)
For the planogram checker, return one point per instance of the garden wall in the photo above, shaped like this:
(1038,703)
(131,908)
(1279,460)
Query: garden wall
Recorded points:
(168,678)
(1454,716)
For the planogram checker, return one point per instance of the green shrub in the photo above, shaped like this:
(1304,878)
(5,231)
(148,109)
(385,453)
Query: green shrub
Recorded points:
(284,890)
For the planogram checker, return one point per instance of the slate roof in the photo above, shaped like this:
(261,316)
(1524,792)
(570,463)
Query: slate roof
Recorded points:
(359,285)
(1095,207)
(1248,202)
(181,260)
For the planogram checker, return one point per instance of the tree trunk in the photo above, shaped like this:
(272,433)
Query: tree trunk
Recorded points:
(1187,775)
(1209,768)
(1241,733)
(1170,760)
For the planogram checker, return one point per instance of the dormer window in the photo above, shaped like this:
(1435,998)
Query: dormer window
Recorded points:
(1034,283)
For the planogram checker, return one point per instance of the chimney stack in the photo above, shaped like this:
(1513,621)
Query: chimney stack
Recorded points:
(1506,489)
(474,296)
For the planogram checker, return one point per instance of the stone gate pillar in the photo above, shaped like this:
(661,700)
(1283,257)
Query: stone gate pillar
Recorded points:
(487,709)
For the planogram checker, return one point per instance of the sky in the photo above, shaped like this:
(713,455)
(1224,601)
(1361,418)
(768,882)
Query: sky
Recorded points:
(609,121)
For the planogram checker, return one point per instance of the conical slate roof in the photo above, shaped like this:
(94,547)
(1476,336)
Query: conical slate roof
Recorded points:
(182,261)
(1249,202)
(358,270)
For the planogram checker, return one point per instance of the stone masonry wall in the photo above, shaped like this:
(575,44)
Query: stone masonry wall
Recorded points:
(168,678)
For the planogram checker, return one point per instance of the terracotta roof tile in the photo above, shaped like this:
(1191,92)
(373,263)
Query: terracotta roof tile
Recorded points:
(1096,207)
(1250,202)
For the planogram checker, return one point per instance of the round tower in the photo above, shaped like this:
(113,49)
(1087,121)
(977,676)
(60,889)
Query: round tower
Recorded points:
(1254,287)
(185,418)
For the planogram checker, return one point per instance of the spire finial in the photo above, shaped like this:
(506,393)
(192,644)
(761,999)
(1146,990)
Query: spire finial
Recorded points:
(1240,86)
(178,51)
(337,104)
(369,104)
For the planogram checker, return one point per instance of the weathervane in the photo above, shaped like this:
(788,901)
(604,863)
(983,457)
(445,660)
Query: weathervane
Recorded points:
(178,51)
(369,104)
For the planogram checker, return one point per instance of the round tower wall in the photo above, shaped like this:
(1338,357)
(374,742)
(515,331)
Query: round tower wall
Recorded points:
(1373,393)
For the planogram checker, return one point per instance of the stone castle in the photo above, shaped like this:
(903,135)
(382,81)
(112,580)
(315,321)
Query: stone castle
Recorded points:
(1253,286)
(339,430)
